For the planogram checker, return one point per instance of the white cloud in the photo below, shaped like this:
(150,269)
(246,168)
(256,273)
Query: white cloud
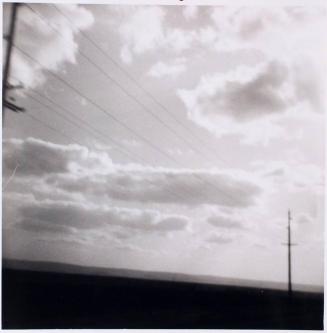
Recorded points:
(250,101)
(178,40)
(190,12)
(264,29)
(243,94)
(284,82)
(58,45)
(143,29)
(170,69)
(207,35)
(295,175)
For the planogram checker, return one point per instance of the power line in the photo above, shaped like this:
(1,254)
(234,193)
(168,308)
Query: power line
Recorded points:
(84,123)
(108,114)
(120,122)
(52,128)
(73,123)
(147,93)
(122,88)
(127,93)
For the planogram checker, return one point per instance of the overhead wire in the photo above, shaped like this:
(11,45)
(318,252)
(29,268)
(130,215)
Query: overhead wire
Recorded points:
(117,120)
(154,147)
(127,152)
(123,89)
(137,83)
(122,69)
(52,128)
(84,124)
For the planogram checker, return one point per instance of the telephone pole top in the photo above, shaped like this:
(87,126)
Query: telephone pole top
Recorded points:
(6,72)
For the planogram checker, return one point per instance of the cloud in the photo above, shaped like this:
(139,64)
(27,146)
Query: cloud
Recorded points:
(207,35)
(70,217)
(168,186)
(37,157)
(243,94)
(227,29)
(149,32)
(295,175)
(59,45)
(263,28)
(304,219)
(144,29)
(171,69)
(224,222)
(248,101)
(190,12)
(251,101)
(219,239)
(55,169)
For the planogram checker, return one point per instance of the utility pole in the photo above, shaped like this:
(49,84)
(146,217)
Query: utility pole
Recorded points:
(289,255)
(6,71)
(289,245)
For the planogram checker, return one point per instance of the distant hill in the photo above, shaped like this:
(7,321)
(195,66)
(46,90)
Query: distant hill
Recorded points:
(44,266)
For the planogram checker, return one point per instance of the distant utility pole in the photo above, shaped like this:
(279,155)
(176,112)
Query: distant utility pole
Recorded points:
(6,71)
(289,255)
(289,245)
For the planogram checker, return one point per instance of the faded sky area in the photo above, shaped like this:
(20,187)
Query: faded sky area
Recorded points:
(167,138)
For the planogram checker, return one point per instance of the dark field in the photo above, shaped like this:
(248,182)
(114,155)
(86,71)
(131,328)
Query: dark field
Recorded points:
(55,300)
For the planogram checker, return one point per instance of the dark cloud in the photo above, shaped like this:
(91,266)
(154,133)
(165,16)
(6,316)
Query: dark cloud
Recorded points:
(56,216)
(254,98)
(40,226)
(36,157)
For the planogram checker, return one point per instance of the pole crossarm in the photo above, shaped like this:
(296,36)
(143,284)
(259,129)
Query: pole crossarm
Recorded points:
(13,107)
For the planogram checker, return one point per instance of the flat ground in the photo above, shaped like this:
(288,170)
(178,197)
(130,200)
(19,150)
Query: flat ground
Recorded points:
(39,300)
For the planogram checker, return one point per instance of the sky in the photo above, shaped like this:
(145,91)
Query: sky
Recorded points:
(167,138)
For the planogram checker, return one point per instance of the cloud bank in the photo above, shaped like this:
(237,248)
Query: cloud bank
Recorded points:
(69,217)
(74,169)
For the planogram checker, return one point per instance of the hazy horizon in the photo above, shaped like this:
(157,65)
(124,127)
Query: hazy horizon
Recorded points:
(69,268)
